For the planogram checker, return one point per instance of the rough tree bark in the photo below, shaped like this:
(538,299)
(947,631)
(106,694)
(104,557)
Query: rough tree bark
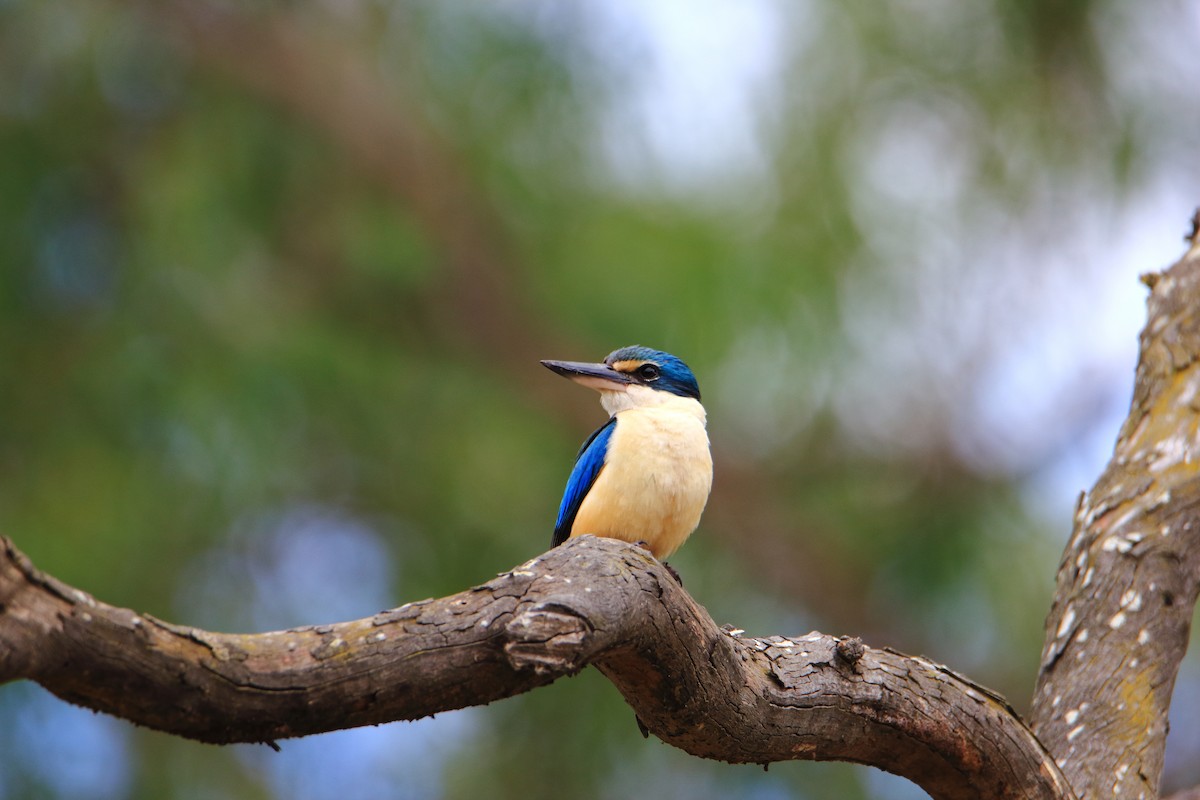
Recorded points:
(1115,636)
(595,601)
(1128,580)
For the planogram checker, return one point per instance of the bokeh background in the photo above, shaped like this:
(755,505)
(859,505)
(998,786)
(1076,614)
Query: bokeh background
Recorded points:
(275,277)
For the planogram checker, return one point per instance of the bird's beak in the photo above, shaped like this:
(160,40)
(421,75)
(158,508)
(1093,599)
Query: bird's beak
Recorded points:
(600,377)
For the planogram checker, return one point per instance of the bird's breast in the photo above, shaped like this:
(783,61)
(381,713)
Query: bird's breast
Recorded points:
(655,482)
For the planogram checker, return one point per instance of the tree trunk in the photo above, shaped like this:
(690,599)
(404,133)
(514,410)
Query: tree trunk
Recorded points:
(1127,584)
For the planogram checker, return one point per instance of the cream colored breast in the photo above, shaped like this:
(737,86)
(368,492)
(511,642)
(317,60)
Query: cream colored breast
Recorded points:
(656,478)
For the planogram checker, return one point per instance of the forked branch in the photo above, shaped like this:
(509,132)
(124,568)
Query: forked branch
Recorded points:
(1115,636)
(707,690)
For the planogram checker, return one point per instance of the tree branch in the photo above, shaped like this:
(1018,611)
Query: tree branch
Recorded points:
(1128,580)
(701,688)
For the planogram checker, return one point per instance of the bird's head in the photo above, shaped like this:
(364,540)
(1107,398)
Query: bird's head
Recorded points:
(632,376)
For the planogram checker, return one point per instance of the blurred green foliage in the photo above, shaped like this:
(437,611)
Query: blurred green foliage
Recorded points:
(267,320)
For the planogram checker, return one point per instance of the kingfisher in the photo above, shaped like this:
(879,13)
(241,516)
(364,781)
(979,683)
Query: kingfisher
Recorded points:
(645,474)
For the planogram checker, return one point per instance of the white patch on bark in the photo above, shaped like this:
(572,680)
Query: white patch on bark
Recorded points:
(1117,543)
(1169,452)
(1120,773)
(1120,521)
(1131,600)
(1065,624)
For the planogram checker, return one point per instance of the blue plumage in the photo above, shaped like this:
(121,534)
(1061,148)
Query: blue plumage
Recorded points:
(587,468)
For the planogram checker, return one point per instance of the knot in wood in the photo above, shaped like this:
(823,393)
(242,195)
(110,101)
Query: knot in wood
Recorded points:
(849,649)
(548,638)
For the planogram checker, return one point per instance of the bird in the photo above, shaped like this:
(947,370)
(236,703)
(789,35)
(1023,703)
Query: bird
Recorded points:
(644,475)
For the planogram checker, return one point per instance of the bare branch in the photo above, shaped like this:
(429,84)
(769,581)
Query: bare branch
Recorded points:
(1128,580)
(595,601)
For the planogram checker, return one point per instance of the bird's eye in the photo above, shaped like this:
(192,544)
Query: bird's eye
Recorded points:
(648,372)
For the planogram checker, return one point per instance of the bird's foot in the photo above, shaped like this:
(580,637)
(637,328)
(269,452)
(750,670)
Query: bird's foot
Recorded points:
(642,543)
(642,727)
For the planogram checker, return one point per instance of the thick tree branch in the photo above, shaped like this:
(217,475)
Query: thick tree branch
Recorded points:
(704,689)
(1128,580)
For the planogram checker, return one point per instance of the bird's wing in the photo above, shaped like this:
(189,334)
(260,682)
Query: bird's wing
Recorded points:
(587,468)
